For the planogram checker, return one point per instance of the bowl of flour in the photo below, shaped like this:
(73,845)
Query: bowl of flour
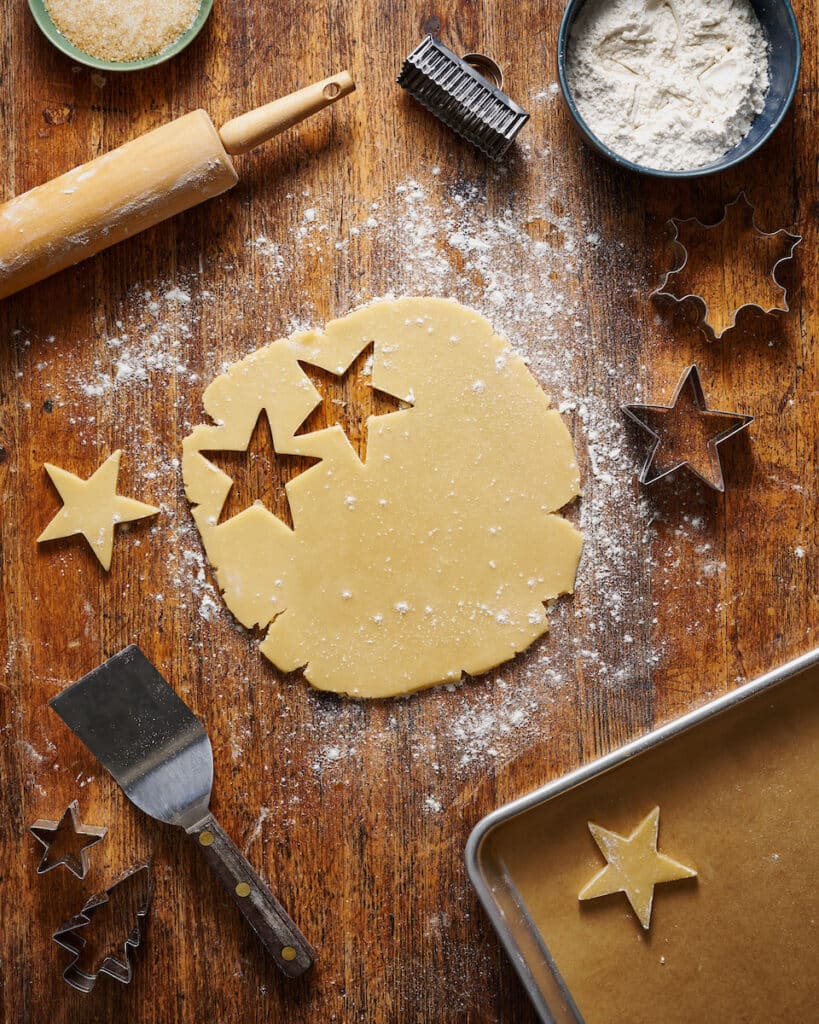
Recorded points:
(678,88)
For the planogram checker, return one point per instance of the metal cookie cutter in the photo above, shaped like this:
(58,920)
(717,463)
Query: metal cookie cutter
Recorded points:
(119,967)
(745,275)
(691,439)
(46,832)
(465,93)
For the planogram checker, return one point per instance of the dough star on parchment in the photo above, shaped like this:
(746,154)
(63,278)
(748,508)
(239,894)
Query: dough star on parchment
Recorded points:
(433,557)
(92,507)
(633,866)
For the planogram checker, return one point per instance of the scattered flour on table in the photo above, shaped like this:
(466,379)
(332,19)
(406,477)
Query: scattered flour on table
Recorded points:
(669,84)
(518,257)
(518,263)
(151,348)
(547,95)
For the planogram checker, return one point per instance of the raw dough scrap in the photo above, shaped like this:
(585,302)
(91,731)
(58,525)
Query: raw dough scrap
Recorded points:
(633,866)
(92,507)
(432,558)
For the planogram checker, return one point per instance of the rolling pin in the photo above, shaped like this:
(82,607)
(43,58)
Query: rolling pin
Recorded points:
(155,176)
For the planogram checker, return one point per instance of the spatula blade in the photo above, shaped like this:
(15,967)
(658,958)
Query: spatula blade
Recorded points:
(149,740)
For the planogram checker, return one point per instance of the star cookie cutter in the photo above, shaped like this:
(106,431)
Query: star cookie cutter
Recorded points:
(683,454)
(724,287)
(45,831)
(66,936)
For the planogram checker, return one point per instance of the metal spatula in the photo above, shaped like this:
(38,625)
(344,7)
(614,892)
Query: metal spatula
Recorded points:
(158,751)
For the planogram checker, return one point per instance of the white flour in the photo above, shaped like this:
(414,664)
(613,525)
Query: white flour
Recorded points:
(518,255)
(669,84)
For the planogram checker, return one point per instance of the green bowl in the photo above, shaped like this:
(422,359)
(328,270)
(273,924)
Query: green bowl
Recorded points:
(50,30)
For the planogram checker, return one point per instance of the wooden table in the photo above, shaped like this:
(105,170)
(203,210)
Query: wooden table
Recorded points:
(358,814)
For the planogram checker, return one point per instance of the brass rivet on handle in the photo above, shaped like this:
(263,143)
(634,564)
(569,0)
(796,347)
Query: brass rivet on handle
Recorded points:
(242,889)
(288,953)
(206,838)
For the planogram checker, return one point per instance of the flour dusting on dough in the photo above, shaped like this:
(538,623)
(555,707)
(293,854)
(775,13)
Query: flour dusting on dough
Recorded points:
(453,547)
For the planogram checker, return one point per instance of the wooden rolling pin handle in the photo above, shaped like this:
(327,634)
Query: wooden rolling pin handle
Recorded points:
(249,130)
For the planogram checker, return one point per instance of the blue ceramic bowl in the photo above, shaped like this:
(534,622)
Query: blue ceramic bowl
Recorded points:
(784,59)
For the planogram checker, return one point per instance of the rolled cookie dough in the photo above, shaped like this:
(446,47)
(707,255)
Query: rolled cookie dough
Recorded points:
(432,558)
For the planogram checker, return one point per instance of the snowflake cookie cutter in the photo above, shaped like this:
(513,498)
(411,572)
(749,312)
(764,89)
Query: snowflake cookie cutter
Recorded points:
(46,832)
(115,967)
(708,465)
(693,238)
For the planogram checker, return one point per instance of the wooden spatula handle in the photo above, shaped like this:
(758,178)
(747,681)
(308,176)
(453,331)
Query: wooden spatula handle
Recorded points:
(262,911)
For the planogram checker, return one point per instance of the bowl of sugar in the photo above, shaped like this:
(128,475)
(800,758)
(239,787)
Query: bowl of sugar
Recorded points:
(678,88)
(115,35)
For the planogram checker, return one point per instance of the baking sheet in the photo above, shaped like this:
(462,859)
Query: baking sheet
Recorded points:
(737,785)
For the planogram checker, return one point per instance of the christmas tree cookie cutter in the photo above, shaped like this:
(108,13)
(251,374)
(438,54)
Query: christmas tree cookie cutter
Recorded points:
(743,275)
(47,833)
(69,936)
(686,432)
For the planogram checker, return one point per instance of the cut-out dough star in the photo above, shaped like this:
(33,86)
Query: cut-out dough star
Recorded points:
(92,507)
(633,866)
(66,841)
(352,393)
(686,433)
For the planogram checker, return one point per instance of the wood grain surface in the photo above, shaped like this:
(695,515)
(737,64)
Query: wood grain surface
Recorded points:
(357,814)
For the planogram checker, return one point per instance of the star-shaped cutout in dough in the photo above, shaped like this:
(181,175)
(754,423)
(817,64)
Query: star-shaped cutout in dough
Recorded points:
(686,433)
(349,399)
(93,508)
(259,473)
(66,841)
(729,265)
(633,866)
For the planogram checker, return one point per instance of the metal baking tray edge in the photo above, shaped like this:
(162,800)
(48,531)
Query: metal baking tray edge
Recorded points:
(576,778)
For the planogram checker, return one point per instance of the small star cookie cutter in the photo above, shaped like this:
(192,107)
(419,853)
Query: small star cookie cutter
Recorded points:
(45,831)
(731,276)
(708,470)
(66,936)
